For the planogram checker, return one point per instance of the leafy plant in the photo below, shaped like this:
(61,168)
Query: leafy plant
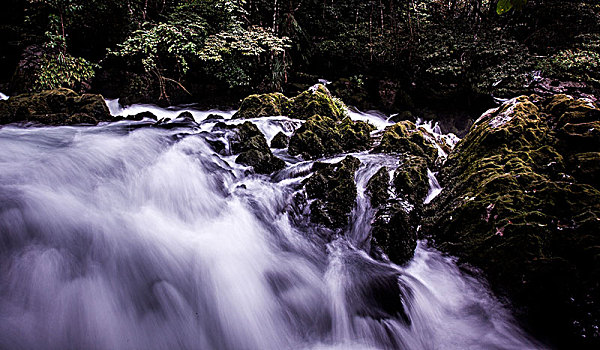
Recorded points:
(62,70)
(506,5)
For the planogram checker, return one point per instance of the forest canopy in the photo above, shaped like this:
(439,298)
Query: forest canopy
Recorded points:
(178,49)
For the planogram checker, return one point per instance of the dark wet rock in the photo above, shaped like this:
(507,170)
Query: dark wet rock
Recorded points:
(521,201)
(376,291)
(214,116)
(55,107)
(394,224)
(405,137)
(186,116)
(378,187)
(333,189)
(223,126)
(137,117)
(316,100)
(322,136)
(280,140)
(394,231)
(253,149)
(183,120)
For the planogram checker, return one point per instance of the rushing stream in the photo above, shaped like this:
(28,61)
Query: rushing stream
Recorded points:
(118,237)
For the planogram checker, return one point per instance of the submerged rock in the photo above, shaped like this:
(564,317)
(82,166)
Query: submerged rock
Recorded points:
(406,137)
(333,189)
(55,107)
(316,100)
(280,140)
(322,136)
(253,149)
(213,116)
(522,202)
(141,116)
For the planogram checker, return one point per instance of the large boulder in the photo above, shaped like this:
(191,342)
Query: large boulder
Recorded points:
(316,100)
(322,136)
(253,149)
(55,107)
(521,201)
(333,189)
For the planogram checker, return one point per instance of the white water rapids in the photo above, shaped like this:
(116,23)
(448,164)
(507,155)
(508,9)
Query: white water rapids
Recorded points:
(116,237)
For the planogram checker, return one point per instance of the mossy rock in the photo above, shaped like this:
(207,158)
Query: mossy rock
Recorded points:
(265,105)
(55,107)
(521,201)
(410,179)
(378,187)
(405,137)
(333,189)
(253,149)
(315,100)
(280,140)
(322,136)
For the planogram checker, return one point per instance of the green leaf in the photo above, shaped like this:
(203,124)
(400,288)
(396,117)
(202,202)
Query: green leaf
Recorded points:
(503,6)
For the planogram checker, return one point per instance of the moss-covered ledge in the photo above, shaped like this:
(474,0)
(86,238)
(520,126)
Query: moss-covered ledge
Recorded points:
(521,202)
(55,107)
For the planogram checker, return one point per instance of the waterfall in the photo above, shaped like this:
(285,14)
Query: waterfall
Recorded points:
(117,237)
(434,187)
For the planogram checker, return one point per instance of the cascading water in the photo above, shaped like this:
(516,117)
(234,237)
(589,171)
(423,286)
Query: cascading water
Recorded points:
(116,237)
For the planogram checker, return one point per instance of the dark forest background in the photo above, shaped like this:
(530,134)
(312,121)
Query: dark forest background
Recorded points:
(393,55)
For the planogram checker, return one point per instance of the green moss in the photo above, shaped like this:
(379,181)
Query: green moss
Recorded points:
(316,100)
(253,149)
(520,202)
(55,107)
(333,189)
(405,137)
(322,136)
(410,179)
(265,105)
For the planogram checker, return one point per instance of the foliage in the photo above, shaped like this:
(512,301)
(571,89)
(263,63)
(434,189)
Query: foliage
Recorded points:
(62,70)
(581,63)
(56,67)
(167,49)
(506,5)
